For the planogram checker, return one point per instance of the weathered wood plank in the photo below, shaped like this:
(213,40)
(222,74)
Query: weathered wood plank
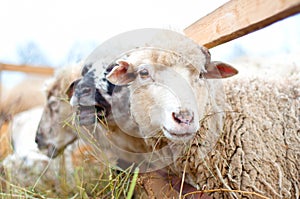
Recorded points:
(42,70)
(239,17)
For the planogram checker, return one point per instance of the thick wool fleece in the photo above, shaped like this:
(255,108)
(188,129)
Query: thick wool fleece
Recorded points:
(259,148)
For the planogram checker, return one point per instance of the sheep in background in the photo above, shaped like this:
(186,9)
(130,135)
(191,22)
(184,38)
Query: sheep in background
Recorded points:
(23,129)
(19,98)
(28,167)
(55,129)
(247,141)
(25,164)
(20,113)
(56,133)
(16,100)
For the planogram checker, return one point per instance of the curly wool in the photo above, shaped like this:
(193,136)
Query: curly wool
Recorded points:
(259,148)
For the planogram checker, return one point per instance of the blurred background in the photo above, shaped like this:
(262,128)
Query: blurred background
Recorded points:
(57,33)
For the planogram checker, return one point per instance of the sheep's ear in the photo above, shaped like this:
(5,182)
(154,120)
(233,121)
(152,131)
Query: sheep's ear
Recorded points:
(86,68)
(218,70)
(71,88)
(121,74)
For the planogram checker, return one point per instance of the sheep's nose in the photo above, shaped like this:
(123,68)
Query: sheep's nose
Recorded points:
(183,117)
(39,140)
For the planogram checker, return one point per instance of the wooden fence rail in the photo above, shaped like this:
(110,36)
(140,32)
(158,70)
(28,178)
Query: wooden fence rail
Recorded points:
(237,18)
(42,70)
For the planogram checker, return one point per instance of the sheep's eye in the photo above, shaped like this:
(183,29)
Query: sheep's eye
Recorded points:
(144,73)
(53,104)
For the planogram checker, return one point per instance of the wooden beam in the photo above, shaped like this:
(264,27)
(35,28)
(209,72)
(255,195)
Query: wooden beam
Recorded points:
(237,18)
(42,70)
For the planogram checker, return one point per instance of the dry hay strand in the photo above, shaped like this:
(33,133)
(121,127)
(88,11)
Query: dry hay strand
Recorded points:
(228,191)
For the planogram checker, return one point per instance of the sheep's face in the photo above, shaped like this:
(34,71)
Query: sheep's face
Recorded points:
(55,132)
(89,101)
(164,93)
(153,90)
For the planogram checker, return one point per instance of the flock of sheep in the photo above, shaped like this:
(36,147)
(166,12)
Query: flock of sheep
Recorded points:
(165,108)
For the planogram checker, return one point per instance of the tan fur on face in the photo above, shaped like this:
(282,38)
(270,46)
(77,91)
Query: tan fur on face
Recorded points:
(168,73)
(54,128)
(150,56)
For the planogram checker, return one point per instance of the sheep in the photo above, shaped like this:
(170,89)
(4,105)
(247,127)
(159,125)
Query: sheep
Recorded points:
(23,129)
(55,140)
(16,100)
(25,163)
(117,96)
(56,133)
(27,166)
(55,129)
(19,116)
(247,141)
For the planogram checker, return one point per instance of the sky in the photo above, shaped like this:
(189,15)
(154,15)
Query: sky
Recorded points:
(58,26)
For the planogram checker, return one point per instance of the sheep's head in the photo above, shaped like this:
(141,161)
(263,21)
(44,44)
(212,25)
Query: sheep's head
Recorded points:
(55,130)
(166,91)
(91,102)
(160,92)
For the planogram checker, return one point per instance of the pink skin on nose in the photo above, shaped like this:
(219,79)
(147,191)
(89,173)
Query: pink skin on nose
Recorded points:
(184,117)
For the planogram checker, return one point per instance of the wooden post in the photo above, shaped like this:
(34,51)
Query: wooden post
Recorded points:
(237,18)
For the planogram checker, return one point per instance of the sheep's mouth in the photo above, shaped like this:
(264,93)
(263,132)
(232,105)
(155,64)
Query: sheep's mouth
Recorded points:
(177,136)
(53,152)
(88,114)
(50,150)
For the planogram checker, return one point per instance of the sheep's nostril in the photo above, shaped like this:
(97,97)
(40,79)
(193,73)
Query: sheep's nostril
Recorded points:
(183,116)
(37,138)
